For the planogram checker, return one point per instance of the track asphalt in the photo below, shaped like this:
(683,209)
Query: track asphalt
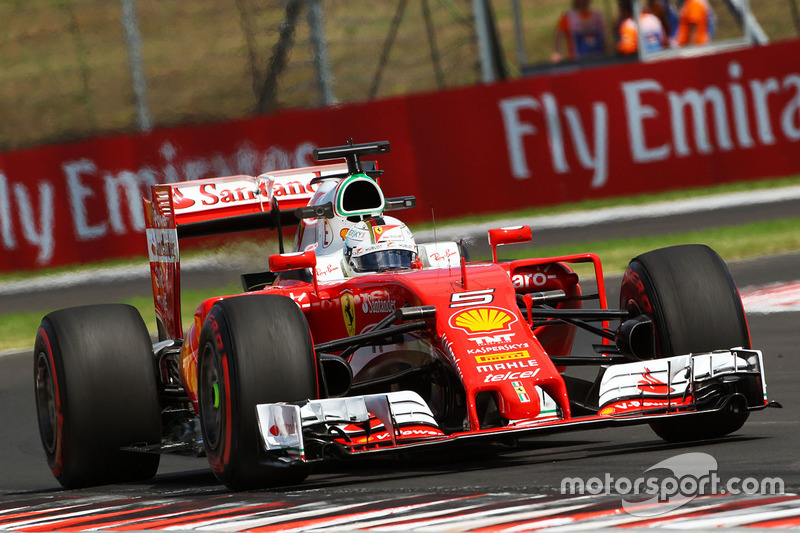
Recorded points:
(515,488)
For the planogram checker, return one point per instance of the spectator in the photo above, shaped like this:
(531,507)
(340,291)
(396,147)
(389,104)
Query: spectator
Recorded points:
(580,33)
(666,13)
(695,23)
(652,30)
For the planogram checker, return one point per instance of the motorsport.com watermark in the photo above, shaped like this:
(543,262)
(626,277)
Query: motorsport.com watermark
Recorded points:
(692,475)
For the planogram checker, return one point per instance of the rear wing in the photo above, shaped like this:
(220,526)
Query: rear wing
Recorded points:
(216,206)
(242,203)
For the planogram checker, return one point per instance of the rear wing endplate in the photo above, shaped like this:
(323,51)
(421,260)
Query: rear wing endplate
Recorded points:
(215,206)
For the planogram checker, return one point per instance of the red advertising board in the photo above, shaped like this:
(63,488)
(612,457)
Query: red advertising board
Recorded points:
(632,128)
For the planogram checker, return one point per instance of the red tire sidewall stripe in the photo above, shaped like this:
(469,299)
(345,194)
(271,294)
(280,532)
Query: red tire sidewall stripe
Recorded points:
(633,282)
(220,461)
(57,466)
(315,363)
(226,454)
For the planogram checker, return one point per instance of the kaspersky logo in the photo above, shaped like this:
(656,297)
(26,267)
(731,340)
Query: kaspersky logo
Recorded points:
(482,320)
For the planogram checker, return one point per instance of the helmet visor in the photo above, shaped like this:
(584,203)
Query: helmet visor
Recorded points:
(383,260)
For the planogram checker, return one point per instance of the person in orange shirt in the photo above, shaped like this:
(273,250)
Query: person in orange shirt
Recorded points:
(653,31)
(694,23)
(580,33)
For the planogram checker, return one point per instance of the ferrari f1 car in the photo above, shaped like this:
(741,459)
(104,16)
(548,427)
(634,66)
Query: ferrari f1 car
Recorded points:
(361,341)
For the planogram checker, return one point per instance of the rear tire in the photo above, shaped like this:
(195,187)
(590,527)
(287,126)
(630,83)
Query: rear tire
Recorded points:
(689,294)
(96,391)
(253,349)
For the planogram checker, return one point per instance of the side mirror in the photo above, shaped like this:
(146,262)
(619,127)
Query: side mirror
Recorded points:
(292,261)
(508,235)
(314,211)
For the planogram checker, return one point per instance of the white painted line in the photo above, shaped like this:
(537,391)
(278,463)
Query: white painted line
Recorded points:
(15,351)
(773,298)
(101,275)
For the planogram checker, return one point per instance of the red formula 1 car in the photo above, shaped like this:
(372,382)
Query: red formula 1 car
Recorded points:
(361,341)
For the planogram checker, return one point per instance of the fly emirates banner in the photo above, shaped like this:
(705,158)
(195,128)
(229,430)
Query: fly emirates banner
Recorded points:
(601,132)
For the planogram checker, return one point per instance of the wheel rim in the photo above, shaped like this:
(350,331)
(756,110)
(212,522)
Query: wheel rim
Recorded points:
(46,403)
(212,402)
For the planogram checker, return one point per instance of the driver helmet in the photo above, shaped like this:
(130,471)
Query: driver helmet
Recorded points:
(377,244)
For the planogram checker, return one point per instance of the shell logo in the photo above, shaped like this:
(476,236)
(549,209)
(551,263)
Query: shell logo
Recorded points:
(482,320)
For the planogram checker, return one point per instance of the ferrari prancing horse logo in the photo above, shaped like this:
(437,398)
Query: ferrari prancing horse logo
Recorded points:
(349,313)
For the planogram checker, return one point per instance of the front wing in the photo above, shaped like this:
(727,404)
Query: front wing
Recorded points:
(630,393)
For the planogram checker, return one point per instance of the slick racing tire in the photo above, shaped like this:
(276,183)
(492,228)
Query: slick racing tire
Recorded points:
(96,391)
(253,349)
(689,294)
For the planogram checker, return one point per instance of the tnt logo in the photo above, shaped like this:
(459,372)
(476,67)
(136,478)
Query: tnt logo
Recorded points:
(492,339)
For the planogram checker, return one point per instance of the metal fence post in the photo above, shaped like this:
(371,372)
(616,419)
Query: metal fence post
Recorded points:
(795,15)
(479,10)
(133,40)
(322,62)
(519,34)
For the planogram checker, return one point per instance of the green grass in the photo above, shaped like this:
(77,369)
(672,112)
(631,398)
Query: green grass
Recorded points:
(732,243)
(737,242)
(190,299)
(18,330)
(588,205)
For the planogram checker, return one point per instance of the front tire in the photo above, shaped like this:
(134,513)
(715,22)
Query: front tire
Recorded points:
(253,349)
(690,296)
(96,391)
